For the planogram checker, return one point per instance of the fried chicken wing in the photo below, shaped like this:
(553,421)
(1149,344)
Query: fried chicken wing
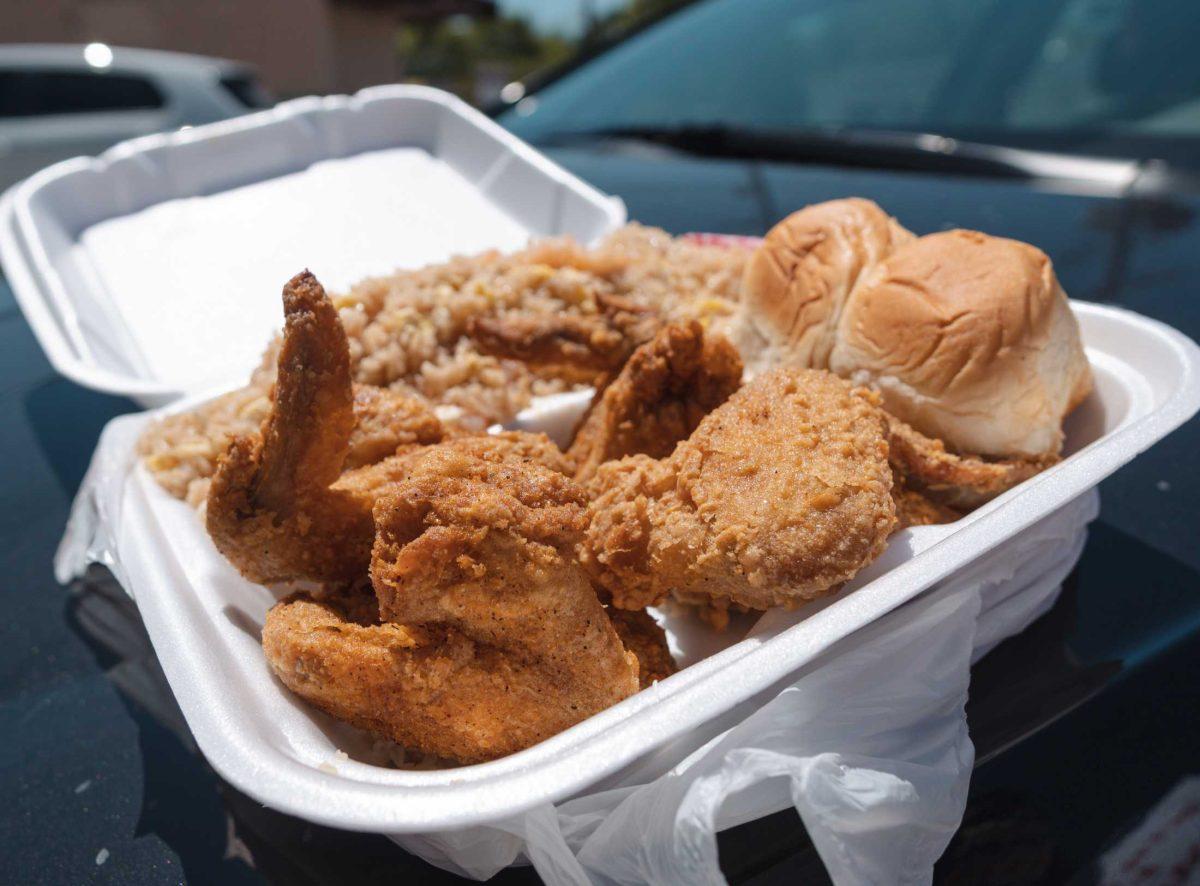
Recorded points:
(957,482)
(575,347)
(492,637)
(270,509)
(385,423)
(429,689)
(642,636)
(780,495)
(914,508)
(659,397)
(280,507)
(370,482)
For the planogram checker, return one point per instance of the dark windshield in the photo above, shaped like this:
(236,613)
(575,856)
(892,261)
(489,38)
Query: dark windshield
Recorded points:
(247,90)
(1111,76)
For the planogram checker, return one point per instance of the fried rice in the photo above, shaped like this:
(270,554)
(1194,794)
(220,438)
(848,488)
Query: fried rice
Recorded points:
(408,332)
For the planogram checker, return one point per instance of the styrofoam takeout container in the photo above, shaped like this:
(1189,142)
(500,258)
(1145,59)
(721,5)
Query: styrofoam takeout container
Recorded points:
(204,619)
(153,271)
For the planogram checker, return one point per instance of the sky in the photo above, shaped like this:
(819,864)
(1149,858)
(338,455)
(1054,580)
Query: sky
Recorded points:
(557,16)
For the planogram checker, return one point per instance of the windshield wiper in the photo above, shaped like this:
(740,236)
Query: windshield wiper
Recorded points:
(868,148)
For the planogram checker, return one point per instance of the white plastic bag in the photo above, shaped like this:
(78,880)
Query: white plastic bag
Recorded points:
(868,742)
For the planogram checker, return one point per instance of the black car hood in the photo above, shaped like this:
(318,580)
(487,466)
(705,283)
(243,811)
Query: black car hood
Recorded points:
(1103,245)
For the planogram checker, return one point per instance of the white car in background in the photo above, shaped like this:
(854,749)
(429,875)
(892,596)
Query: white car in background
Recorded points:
(60,101)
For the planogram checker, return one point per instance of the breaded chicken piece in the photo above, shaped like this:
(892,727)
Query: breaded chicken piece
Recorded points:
(959,482)
(713,611)
(385,422)
(368,483)
(658,399)
(642,636)
(451,501)
(779,496)
(492,636)
(270,498)
(915,509)
(432,690)
(577,348)
(280,507)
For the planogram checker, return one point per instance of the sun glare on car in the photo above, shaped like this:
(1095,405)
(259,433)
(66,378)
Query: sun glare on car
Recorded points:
(98,55)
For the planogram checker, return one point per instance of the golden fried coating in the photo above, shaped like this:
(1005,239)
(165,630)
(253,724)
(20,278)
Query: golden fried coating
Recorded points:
(280,508)
(385,422)
(713,611)
(432,689)
(779,496)
(642,636)
(576,348)
(451,502)
(492,636)
(368,483)
(621,544)
(960,482)
(913,508)
(660,396)
(270,509)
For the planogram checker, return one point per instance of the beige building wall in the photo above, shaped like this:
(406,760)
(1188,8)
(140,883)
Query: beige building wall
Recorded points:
(298,46)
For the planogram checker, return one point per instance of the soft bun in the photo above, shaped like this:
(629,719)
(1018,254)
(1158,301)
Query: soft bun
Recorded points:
(797,282)
(969,338)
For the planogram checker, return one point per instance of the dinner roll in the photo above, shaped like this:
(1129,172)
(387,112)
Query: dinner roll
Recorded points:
(970,339)
(796,283)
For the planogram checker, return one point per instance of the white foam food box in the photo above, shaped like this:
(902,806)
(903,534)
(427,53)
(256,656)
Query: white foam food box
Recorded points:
(153,270)
(134,269)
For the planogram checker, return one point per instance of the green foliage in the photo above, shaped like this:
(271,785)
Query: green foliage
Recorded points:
(470,56)
(452,52)
(612,26)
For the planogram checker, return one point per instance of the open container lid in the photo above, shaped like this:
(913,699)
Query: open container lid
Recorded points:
(153,271)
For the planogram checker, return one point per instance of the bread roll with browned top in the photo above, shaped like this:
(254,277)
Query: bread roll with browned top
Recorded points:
(796,284)
(970,339)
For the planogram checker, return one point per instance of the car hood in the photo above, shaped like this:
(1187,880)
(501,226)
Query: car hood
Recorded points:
(1103,245)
